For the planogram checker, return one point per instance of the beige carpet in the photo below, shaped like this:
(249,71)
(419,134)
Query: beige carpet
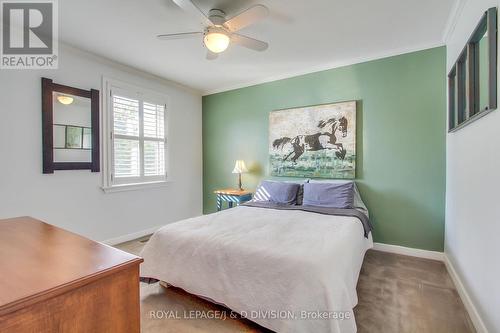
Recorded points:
(396,293)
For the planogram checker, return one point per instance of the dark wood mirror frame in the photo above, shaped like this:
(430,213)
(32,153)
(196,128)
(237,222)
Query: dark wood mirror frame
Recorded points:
(48,88)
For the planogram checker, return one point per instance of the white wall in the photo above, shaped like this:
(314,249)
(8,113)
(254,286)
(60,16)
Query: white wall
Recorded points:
(472,200)
(74,199)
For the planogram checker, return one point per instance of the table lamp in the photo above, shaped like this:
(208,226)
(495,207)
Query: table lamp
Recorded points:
(240,168)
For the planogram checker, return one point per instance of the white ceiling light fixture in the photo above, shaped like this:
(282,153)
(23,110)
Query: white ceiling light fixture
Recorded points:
(221,32)
(66,100)
(216,40)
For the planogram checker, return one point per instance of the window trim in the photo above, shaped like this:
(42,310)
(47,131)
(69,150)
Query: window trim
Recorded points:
(149,95)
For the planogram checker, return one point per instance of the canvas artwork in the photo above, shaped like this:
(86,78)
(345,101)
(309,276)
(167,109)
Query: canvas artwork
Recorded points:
(315,141)
(73,137)
(87,138)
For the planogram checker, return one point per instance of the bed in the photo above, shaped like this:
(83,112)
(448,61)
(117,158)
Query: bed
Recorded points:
(287,270)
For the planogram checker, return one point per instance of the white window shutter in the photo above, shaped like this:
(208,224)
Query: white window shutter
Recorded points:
(154,121)
(126,137)
(139,140)
(154,139)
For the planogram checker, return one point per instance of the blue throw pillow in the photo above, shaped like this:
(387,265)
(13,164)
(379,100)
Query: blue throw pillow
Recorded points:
(329,195)
(277,192)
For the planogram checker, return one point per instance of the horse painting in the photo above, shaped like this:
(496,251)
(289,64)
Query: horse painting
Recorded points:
(316,141)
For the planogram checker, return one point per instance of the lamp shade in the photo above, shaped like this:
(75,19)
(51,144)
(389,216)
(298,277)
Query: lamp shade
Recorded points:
(240,167)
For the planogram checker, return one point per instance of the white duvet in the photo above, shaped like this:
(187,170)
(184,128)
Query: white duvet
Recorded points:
(289,271)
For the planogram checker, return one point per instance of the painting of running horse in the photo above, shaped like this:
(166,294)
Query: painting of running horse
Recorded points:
(315,141)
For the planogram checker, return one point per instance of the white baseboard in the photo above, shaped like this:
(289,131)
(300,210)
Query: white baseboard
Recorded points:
(132,236)
(466,299)
(408,251)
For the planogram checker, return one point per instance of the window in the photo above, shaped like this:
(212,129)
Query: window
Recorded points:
(472,82)
(136,126)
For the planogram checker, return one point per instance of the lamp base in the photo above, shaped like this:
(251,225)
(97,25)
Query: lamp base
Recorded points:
(239,182)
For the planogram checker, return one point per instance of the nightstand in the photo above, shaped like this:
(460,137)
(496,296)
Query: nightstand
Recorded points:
(232,196)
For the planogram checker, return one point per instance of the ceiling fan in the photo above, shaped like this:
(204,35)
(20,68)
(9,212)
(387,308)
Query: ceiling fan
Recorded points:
(219,32)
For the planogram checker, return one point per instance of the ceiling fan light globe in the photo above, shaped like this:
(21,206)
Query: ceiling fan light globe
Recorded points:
(216,42)
(66,100)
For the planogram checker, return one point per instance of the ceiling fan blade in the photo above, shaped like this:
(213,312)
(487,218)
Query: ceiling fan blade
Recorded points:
(249,42)
(181,35)
(248,17)
(211,55)
(191,8)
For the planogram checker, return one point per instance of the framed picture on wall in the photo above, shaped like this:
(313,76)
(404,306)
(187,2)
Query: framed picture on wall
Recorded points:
(74,137)
(314,141)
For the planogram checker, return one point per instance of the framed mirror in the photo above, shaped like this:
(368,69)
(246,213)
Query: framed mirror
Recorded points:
(70,118)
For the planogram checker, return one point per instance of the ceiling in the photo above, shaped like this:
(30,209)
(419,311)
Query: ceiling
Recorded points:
(304,36)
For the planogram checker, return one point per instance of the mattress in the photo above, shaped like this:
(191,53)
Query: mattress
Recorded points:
(289,271)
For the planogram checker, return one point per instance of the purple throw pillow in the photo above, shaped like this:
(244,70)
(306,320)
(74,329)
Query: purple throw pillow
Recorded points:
(329,195)
(277,192)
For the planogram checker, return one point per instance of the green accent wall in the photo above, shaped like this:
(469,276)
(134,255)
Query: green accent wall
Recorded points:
(400,138)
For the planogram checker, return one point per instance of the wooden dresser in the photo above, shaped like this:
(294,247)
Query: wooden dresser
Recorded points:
(52,280)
